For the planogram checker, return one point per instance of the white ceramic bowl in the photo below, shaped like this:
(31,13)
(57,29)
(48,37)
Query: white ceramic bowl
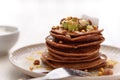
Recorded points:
(8,37)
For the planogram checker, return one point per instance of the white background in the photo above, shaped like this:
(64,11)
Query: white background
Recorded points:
(34,18)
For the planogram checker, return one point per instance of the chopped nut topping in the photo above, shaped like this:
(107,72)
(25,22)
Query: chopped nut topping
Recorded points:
(83,30)
(84,22)
(53,27)
(57,27)
(69,18)
(108,72)
(105,71)
(95,27)
(102,70)
(100,73)
(36,62)
(72,24)
(67,35)
(60,42)
(110,66)
(31,68)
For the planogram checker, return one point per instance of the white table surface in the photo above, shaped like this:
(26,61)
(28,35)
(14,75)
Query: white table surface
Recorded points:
(34,18)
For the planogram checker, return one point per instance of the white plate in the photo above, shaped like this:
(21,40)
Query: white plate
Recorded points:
(19,59)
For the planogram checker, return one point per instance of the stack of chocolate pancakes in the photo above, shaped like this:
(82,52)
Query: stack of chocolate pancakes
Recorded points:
(74,48)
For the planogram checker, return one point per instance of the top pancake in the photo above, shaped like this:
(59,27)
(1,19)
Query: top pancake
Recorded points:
(76,37)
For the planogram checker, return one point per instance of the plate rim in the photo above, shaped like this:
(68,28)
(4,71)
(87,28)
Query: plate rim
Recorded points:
(37,44)
(20,68)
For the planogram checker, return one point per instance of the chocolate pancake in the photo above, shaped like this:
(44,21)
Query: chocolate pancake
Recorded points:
(50,41)
(72,54)
(69,60)
(82,66)
(76,50)
(61,31)
(82,38)
(72,58)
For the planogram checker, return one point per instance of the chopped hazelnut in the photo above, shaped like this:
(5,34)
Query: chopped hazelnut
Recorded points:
(100,73)
(31,68)
(108,72)
(53,27)
(67,35)
(36,62)
(102,70)
(95,27)
(83,30)
(60,42)
(57,27)
(62,21)
(110,66)
(105,71)
(69,18)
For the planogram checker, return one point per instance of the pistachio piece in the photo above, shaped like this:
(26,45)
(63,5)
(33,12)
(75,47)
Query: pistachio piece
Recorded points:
(72,26)
(75,24)
(89,28)
(76,29)
(65,25)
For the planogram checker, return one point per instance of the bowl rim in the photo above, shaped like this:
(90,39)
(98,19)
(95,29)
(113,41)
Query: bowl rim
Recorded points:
(15,30)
